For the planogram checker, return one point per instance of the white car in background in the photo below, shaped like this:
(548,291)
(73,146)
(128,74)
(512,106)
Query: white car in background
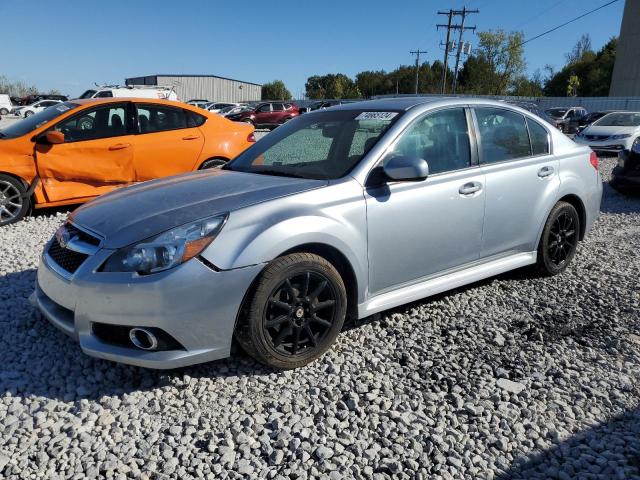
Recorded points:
(217,106)
(34,108)
(5,104)
(614,132)
(131,91)
(234,109)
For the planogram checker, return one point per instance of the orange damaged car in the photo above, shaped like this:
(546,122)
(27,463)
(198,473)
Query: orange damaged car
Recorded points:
(76,150)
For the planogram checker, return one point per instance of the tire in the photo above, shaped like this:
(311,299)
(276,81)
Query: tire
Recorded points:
(559,239)
(299,294)
(212,163)
(14,204)
(4,111)
(28,114)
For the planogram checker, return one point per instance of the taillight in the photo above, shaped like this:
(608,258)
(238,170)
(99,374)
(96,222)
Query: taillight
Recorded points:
(593,159)
(251,138)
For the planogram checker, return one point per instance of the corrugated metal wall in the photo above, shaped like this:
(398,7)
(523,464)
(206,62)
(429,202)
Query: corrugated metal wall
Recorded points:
(203,87)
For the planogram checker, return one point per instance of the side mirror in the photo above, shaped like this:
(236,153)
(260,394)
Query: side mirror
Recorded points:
(404,168)
(52,137)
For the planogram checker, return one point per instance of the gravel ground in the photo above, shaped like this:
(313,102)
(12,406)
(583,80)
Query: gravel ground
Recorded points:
(513,377)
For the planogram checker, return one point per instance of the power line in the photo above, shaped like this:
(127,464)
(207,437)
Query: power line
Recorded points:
(568,22)
(417,54)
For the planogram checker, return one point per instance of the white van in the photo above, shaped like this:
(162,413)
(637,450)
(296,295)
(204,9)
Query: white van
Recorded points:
(135,91)
(5,104)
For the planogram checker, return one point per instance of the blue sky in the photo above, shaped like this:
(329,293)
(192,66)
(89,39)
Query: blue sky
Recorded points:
(71,44)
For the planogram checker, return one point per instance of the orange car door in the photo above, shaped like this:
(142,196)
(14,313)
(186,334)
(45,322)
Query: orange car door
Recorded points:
(96,156)
(168,141)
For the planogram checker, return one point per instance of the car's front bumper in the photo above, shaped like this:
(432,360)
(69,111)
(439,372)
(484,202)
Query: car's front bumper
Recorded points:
(194,304)
(607,146)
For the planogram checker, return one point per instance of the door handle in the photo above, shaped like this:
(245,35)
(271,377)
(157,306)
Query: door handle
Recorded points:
(191,137)
(545,172)
(470,188)
(119,146)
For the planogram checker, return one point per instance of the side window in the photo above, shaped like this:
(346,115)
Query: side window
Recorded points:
(105,94)
(193,119)
(265,108)
(441,138)
(158,118)
(503,135)
(102,122)
(539,138)
(278,107)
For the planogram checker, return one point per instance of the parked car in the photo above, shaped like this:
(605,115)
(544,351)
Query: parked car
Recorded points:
(34,108)
(217,106)
(267,114)
(225,112)
(29,99)
(535,109)
(131,91)
(199,103)
(5,104)
(625,177)
(342,212)
(77,150)
(567,120)
(612,133)
(591,117)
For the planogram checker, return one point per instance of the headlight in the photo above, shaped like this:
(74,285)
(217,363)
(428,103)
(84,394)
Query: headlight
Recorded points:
(167,250)
(635,148)
(618,137)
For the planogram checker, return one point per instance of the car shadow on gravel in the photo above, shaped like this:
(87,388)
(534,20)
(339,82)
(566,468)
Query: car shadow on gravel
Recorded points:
(616,202)
(610,450)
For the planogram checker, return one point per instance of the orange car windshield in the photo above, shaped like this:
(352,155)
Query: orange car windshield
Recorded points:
(32,122)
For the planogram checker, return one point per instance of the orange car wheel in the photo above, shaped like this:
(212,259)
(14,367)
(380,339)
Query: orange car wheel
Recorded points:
(212,163)
(14,202)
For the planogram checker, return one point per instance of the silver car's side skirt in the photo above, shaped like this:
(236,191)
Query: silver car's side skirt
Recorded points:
(442,283)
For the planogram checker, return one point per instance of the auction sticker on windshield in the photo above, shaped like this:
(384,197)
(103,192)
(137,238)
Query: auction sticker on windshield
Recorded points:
(376,115)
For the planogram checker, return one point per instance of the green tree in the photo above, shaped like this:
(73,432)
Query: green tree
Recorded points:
(496,66)
(579,50)
(275,90)
(593,71)
(331,86)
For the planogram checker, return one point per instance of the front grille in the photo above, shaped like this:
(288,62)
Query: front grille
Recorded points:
(67,259)
(83,236)
(596,137)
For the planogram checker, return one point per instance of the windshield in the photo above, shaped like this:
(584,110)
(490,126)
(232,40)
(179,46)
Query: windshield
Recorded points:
(619,119)
(88,94)
(29,124)
(324,145)
(557,112)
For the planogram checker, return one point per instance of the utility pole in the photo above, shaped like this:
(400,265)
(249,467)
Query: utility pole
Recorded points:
(417,54)
(463,14)
(446,48)
(461,28)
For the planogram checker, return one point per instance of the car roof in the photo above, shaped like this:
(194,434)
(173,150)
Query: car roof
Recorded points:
(97,101)
(407,103)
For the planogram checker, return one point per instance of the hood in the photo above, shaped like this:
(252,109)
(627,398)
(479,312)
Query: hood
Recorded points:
(135,213)
(609,130)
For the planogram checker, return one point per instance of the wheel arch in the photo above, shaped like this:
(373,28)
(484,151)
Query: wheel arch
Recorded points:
(577,203)
(216,157)
(341,263)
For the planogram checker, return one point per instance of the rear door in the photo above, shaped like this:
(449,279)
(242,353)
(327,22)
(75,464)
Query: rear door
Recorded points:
(521,179)
(96,157)
(168,140)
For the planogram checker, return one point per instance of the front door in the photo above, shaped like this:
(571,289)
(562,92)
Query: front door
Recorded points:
(96,157)
(419,229)
(263,115)
(521,179)
(169,141)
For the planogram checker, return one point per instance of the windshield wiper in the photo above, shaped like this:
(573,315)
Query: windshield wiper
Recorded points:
(279,173)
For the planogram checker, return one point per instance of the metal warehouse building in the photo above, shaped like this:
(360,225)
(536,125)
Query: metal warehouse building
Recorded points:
(207,87)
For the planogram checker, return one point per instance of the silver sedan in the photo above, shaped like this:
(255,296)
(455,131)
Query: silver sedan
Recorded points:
(343,212)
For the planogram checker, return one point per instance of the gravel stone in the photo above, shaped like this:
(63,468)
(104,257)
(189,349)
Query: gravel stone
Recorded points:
(515,377)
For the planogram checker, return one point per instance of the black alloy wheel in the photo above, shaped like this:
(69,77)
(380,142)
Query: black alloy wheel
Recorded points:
(295,311)
(559,240)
